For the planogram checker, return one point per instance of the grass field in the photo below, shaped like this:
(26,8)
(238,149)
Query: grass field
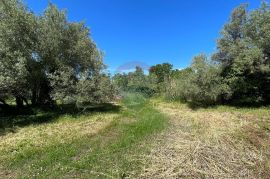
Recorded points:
(140,138)
(108,144)
(214,142)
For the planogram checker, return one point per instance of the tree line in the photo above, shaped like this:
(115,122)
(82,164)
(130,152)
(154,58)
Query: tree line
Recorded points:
(237,73)
(45,59)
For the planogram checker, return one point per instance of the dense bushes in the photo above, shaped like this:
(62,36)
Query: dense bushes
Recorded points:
(136,82)
(200,84)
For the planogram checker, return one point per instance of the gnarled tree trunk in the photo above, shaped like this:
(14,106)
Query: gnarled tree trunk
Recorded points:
(19,102)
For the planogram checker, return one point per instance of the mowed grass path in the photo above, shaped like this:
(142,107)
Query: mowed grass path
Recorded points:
(215,142)
(96,145)
(144,139)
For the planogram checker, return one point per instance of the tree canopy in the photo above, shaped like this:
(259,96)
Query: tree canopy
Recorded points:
(243,53)
(46,58)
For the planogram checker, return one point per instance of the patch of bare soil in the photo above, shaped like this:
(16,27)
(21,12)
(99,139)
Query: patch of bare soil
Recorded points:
(7,174)
(203,144)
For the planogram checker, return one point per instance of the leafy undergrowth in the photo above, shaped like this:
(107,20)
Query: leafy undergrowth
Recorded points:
(217,142)
(97,145)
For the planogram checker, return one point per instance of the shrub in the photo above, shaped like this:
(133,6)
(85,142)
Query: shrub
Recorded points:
(201,85)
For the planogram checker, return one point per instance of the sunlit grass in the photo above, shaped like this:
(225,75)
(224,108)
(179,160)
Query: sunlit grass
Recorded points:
(215,142)
(119,143)
(99,144)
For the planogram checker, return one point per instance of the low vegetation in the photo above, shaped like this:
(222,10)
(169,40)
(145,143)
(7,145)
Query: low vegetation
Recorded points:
(216,142)
(109,144)
(142,138)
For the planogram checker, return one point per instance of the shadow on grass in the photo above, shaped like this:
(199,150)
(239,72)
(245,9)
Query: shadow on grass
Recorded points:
(12,117)
(196,106)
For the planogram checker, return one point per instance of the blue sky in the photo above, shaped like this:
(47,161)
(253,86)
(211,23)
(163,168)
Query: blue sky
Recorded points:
(149,31)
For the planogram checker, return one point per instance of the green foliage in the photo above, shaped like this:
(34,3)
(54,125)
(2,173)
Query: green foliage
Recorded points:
(73,62)
(13,75)
(180,73)
(179,85)
(136,82)
(17,29)
(163,73)
(97,89)
(243,52)
(199,84)
(120,81)
(240,70)
(46,58)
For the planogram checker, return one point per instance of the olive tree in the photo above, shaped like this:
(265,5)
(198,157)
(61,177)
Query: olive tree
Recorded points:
(72,60)
(17,43)
(47,58)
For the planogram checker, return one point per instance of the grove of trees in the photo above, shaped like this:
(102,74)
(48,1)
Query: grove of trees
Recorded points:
(45,59)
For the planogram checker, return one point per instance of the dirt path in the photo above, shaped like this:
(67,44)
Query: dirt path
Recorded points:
(204,144)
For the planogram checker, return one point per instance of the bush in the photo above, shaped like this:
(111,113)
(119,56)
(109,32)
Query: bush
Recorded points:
(202,85)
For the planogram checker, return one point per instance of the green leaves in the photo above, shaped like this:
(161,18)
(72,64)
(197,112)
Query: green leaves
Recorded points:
(136,81)
(243,52)
(162,71)
(48,57)
(17,29)
(201,84)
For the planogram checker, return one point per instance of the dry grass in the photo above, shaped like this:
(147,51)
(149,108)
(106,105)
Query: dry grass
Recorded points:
(211,143)
(36,137)
(221,142)
(62,131)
